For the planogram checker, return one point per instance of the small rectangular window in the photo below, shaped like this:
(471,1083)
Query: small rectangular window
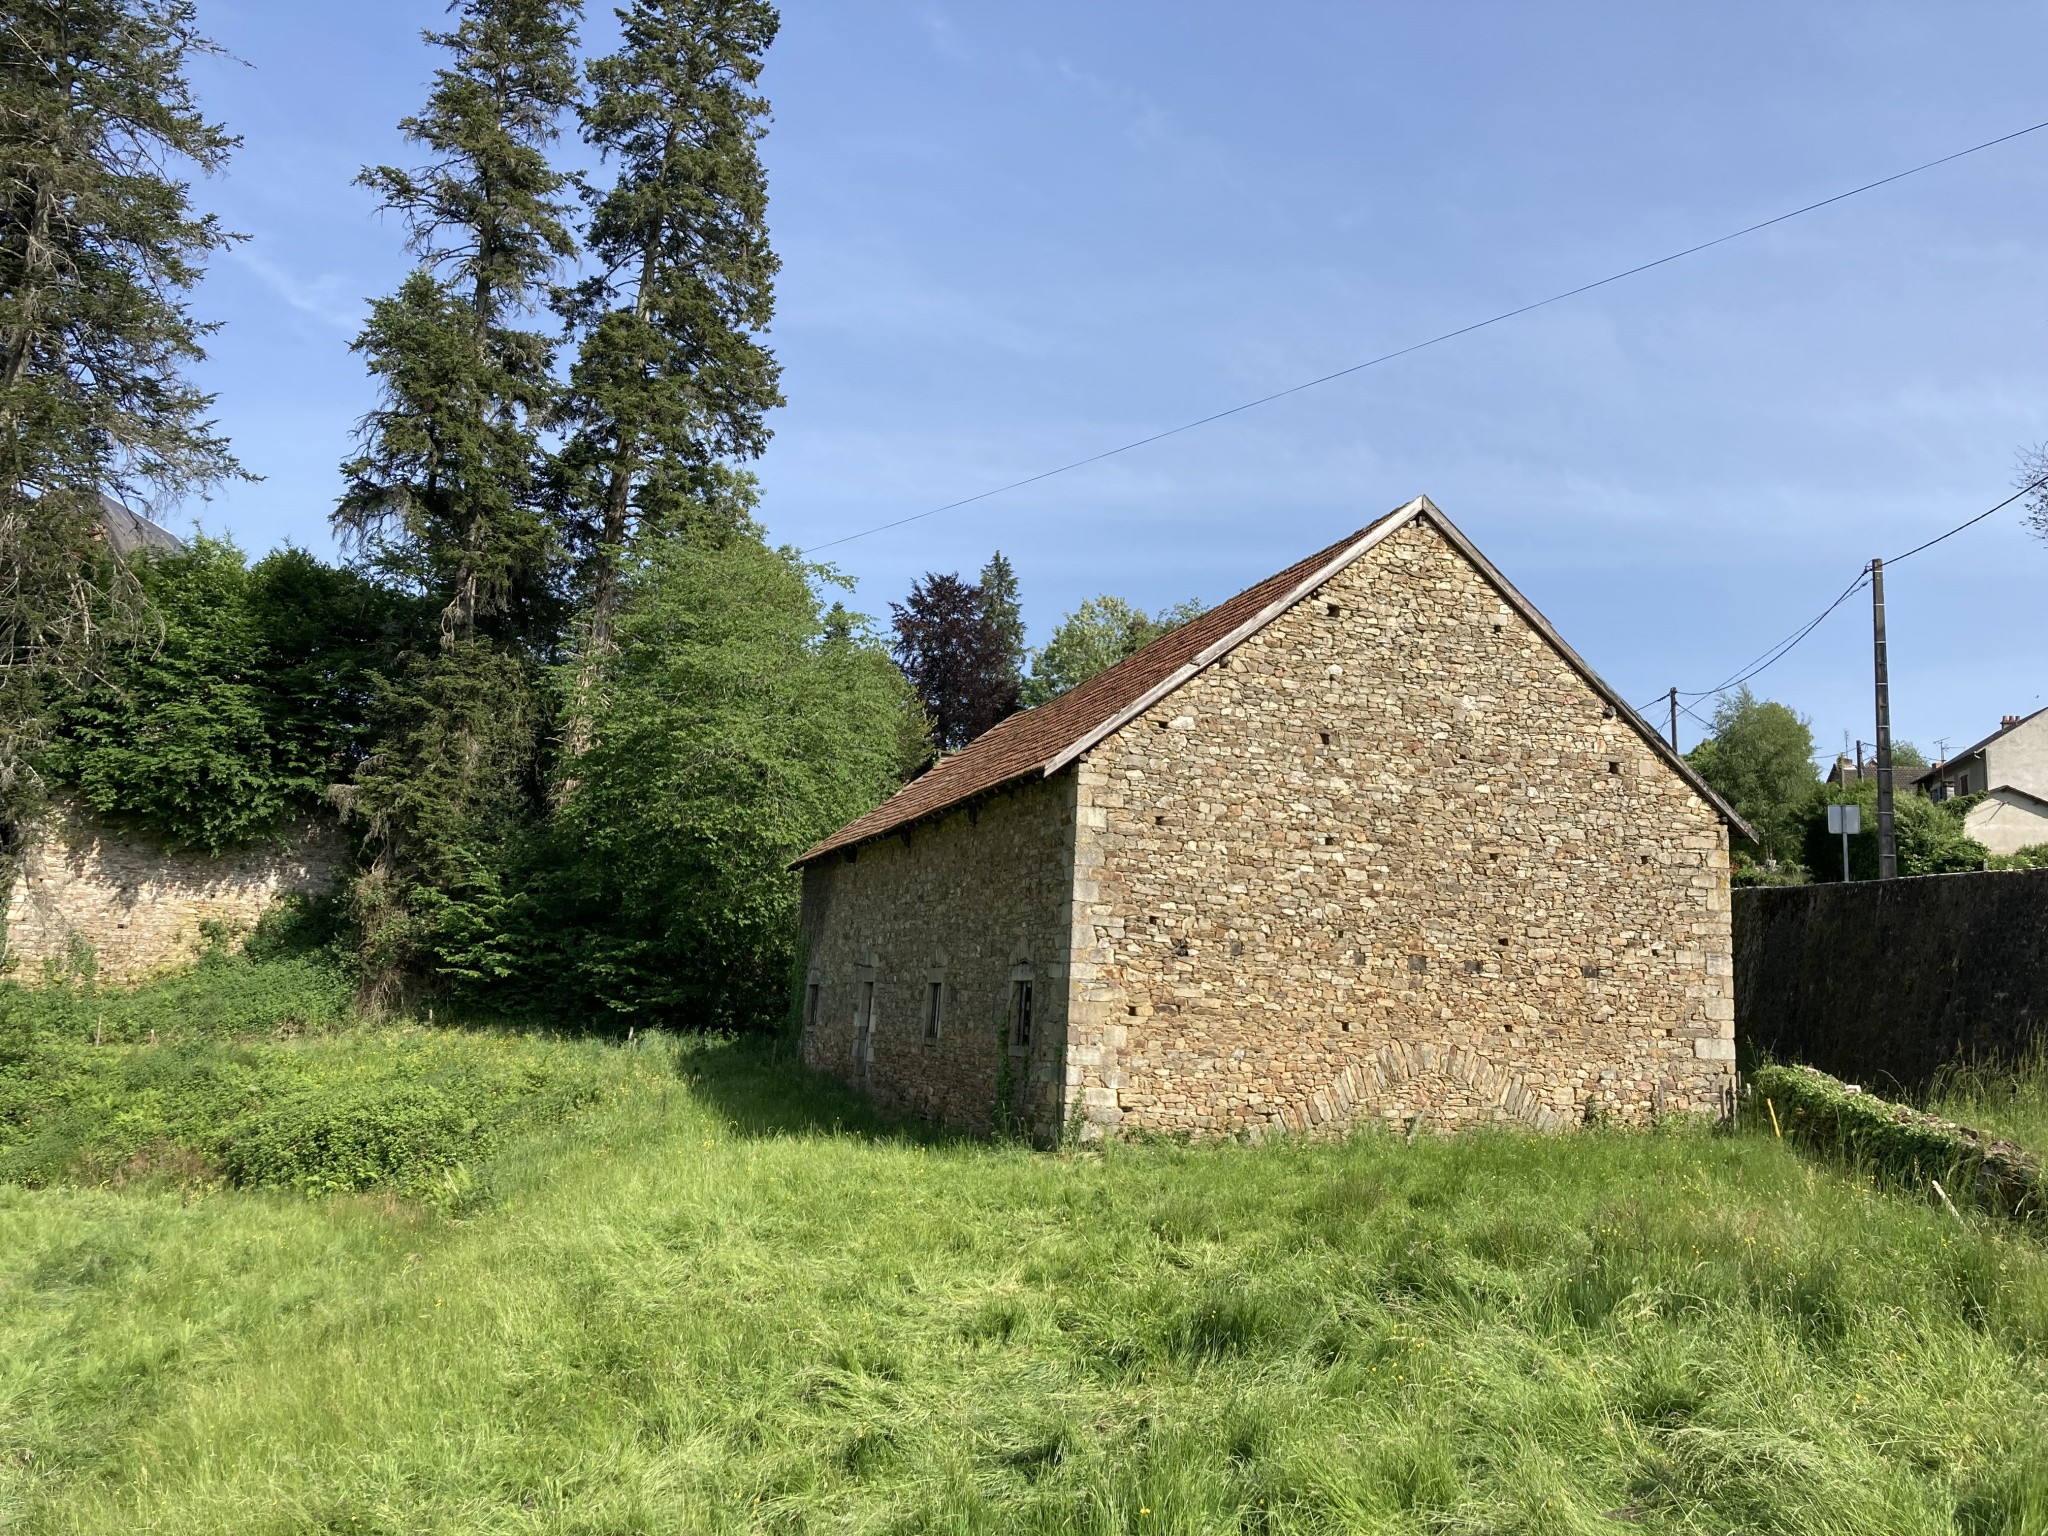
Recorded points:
(1020,1015)
(934,1007)
(811,1005)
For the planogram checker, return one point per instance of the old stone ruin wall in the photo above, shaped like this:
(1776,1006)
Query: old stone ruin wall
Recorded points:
(140,907)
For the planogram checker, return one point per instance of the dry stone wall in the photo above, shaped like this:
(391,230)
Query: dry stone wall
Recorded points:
(1393,858)
(974,902)
(139,906)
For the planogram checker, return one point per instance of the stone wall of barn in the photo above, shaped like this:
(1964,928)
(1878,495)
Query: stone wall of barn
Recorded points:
(1394,858)
(139,907)
(974,902)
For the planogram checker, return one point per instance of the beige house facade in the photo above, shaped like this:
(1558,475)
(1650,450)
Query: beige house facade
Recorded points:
(1367,843)
(2009,768)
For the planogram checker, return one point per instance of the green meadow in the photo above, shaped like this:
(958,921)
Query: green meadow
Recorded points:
(284,1272)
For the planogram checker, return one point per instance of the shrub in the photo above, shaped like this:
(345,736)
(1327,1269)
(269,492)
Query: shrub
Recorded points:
(408,1138)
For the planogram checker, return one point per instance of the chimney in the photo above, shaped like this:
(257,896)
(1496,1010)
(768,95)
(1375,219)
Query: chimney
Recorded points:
(2007,722)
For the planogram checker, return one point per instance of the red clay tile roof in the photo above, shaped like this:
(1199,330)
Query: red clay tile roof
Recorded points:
(1042,740)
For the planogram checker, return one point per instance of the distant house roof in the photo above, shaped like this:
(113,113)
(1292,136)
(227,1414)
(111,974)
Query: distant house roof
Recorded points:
(131,533)
(2020,794)
(1949,763)
(1039,742)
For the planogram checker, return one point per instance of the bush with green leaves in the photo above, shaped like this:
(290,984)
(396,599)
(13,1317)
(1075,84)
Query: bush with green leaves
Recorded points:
(248,702)
(745,721)
(2033,856)
(1931,839)
(254,1068)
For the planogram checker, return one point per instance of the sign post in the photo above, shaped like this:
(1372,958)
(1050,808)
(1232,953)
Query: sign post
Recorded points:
(1848,821)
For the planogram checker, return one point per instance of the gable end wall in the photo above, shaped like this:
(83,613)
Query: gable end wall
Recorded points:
(1484,898)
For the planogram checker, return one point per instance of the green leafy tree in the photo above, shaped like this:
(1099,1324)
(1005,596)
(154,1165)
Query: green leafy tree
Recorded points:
(671,381)
(1760,758)
(450,496)
(1930,834)
(247,704)
(1094,637)
(745,721)
(99,250)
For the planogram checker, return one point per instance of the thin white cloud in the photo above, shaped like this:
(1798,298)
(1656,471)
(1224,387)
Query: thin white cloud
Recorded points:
(328,297)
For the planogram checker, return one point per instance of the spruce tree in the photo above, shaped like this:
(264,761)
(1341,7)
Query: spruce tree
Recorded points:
(449,495)
(447,492)
(1005,612)
(100,247)
(671,382)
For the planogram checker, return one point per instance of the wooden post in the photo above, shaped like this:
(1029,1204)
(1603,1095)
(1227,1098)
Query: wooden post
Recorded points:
(1674,717)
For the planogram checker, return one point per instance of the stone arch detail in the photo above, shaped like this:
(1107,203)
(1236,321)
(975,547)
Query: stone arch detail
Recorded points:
(1427,1080)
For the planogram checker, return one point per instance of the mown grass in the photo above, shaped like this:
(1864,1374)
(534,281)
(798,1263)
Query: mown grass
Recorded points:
(723,1297)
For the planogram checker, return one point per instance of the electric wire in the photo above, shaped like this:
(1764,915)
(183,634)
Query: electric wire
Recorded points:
(1463,330)
(1784,647)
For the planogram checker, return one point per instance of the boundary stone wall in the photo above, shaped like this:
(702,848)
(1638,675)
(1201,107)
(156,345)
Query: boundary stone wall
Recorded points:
(140,906)
(1394,858)
(1884,982)
(975,902)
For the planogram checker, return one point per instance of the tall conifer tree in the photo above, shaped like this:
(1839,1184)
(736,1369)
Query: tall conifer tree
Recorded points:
(100,245)
(1005,612)
(449,492)
(446,491)
(672,381)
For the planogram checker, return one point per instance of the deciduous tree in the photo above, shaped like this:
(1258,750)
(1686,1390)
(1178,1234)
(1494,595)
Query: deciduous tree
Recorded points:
(1100,633)
(745,720)
(1760,757)
(956,657)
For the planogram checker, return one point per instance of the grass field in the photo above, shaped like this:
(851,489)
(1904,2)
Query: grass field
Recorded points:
(705,1293)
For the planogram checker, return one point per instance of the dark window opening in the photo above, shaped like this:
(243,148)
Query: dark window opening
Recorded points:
(811,1005)
(1326,737)
(1332,609)
(1613,766)
(934,1009)
(1474,967)
(1020,1014)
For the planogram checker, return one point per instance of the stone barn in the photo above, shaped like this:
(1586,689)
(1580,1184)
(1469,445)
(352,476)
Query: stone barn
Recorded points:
(1368,842)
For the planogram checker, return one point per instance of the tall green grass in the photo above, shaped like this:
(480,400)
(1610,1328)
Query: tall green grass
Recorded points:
(252,1069)
(2009,1101)
(725,1298)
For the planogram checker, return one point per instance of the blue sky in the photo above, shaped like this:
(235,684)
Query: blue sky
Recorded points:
(1016,235)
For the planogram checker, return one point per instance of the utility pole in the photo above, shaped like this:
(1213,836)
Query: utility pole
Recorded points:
(1887,833)
(1674,717)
